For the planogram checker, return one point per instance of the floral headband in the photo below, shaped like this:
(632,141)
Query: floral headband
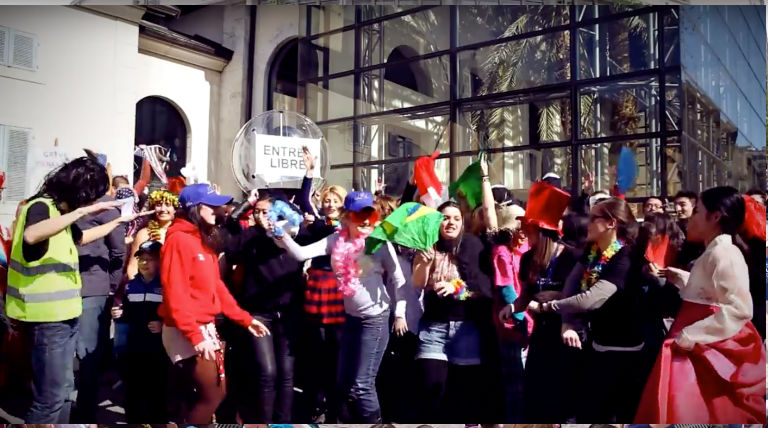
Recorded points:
(159,196)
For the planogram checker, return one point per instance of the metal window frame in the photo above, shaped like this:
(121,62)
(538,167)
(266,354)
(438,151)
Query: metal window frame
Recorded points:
(457,105)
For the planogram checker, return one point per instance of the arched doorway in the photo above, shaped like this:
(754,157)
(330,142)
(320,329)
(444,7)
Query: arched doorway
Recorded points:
(283,78)
(161,123)
(409,75)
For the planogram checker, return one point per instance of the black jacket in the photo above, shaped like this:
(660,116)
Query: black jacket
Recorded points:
(273,280)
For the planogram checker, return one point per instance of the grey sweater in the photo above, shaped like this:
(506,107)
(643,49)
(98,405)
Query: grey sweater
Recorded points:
(101,261)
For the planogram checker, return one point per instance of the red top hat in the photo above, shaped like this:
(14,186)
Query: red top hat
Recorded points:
(546,205)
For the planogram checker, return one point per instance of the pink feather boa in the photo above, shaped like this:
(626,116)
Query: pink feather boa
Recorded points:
(344,262)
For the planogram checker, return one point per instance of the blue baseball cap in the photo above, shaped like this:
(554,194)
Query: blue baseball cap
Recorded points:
(358,201)
(196,194)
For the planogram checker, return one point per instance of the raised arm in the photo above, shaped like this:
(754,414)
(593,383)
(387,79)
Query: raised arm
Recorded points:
(320,248)
(45,229)
(489,204)
(305,204)
(422,265)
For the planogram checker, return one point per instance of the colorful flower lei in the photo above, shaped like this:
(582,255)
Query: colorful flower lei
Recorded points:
(159,196)
(594,266)
(460,291)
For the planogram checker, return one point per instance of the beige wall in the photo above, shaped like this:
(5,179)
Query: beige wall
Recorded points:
(85,92)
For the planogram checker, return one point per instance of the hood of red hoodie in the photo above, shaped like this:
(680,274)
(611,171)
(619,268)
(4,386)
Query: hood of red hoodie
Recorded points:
(183,226)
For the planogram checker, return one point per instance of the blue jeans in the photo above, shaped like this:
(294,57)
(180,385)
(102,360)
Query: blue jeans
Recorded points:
(52,351)
(92,340)
(362,348)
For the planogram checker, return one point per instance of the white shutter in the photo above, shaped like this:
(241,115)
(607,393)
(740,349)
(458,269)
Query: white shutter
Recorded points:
(23,50)
(4,45)
(17,146)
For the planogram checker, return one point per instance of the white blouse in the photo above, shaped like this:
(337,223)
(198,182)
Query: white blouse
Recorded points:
(719,277)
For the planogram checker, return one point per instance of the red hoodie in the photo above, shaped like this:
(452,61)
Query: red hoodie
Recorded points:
(193,292)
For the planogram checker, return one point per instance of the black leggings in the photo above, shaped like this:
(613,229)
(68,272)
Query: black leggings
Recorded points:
(323,342)
(449,392)
(268,393)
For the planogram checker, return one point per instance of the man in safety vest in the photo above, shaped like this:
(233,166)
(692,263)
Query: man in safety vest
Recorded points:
(43,295)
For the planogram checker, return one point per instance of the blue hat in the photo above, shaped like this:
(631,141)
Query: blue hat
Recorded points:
(357,201)
(196,194)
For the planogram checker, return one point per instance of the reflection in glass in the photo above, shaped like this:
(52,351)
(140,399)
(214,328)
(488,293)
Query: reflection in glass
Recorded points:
(398,137)
(518,64)
(533,119)
(518,170)
(331,102)
(602,159)
(483,23)
(404,85)
(594,11)
(618,46)
(619,108)
(405,37)
(671,52)
(396,175)
(673,99)
(340,141)
(326,55)
(341,177)
(327,18)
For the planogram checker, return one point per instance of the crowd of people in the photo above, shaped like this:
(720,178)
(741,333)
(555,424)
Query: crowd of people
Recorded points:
(560,308)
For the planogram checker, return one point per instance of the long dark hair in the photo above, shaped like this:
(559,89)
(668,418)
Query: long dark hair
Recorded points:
(450,246)
(729,204)
(76,183)
(211,235)
(543,253)
(727,201)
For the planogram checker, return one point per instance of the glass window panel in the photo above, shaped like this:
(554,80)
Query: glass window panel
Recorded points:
(340,142)
(594,11)
(405,37)
(368,13)
(616,47)
(482,23)
(341,177)
(396,175)
(535,119)
(675,167)
(404,85)
(619,108)
(518,64)
(332,103)
(327,18)
(329,54)
(671,52)
(518,170)
(397,137)
(700,168)
(601,160)
(674,101)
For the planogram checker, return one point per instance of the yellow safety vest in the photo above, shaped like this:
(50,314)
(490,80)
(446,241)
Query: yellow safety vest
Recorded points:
(46,290)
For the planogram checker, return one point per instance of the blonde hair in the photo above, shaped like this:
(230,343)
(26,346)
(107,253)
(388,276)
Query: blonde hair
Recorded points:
(336,190)
(385,205)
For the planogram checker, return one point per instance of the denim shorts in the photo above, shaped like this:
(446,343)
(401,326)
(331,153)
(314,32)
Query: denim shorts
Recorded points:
(457,342)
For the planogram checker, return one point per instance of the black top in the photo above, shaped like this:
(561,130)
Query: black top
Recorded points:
(36,213)
(618,322)
(551,279)
(273,280)
(473,263)
(689,251)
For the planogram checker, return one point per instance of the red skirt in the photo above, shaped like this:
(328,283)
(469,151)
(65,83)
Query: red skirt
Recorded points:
(719,383)
(322,299)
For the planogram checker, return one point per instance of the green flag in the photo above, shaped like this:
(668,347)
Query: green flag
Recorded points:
(470,184)
(411,225)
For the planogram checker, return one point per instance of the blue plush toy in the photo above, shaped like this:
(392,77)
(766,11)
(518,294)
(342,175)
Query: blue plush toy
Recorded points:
(282,209)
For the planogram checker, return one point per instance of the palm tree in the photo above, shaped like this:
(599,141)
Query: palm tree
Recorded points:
(539,60)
